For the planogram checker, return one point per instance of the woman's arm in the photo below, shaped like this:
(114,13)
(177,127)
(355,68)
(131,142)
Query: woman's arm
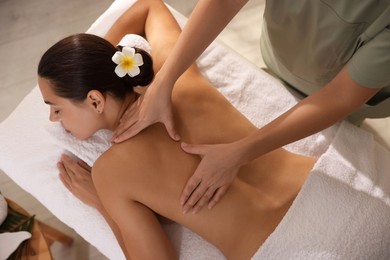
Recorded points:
(207,20)
(153,20)
(142,234)
(76,176)
(131,21)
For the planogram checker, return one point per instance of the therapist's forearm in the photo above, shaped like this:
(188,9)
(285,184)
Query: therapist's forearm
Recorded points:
(299,122)
(320,110)
(207,20)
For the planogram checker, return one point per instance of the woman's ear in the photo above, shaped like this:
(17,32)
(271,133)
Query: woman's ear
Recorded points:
(96,100)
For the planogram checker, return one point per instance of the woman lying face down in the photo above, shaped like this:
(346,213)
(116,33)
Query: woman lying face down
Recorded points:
(96,100)
(79,79)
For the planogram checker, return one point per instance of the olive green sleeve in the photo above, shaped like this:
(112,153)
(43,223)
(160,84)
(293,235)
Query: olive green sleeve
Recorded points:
(370,65)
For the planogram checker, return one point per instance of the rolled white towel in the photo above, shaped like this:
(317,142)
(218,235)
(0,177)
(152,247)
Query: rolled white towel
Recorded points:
(135,40)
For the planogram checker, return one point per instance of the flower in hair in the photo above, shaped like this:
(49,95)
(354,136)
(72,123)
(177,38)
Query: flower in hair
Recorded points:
(128,62)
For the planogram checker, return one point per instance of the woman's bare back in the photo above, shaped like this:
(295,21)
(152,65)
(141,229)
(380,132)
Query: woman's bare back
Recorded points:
(147,173)
(156,169)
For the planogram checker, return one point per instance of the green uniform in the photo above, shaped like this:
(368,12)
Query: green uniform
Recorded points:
(307,42)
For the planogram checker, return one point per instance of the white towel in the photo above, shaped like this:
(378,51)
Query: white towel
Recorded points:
(88,150)
(343,209)
(28,155)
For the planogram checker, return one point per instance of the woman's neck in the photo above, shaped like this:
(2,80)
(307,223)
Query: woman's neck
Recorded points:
(116,109)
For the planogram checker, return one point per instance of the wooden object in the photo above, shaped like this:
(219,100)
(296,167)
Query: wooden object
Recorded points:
(42,236)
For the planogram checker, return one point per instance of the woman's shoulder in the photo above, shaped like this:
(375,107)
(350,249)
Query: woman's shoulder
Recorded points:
(135,152)
(118,155)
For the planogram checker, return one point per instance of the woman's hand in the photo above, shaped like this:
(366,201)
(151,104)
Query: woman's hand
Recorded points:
(76,176)
(216,171)
(151,107)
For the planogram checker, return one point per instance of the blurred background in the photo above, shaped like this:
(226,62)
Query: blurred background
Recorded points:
(28,28)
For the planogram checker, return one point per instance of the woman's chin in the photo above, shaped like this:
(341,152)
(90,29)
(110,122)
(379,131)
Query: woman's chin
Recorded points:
(77,136)
(82,138)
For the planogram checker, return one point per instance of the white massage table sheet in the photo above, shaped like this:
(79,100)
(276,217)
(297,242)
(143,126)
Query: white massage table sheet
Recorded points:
(28,154)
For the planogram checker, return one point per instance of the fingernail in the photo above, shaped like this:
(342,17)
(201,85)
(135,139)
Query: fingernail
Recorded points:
(177,137)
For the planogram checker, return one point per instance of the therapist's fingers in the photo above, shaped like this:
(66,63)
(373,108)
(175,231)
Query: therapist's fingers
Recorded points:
(195,198)
(189,188)
(143,113)
(202,196)
(124,134)
(214,174)
(127,121)
(189,197)
(217,196)
(194,149)
(129,129)
(204,200)
(170,126)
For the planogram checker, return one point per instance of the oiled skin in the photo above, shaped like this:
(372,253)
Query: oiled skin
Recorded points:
(147,173)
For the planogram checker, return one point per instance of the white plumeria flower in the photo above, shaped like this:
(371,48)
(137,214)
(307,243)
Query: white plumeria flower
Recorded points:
(128,62)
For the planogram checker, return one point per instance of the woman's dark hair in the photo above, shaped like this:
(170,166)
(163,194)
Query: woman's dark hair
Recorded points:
(83,62)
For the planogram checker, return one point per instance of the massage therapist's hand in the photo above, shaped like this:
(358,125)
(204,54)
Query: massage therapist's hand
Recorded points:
(216,171)
(151,107)
(76,176)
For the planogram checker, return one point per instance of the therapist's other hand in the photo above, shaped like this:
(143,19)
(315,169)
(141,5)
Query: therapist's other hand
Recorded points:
(216,171)
(151,107)
(76,176)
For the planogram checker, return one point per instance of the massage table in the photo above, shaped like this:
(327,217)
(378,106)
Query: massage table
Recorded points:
(341,212)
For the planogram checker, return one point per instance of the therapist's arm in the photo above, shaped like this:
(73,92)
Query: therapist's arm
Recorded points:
(332,103)
(207,20)
(220,163)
